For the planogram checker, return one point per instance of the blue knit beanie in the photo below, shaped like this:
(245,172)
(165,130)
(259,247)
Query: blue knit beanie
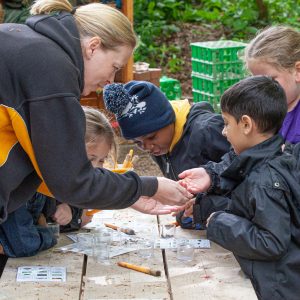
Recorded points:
(140,107)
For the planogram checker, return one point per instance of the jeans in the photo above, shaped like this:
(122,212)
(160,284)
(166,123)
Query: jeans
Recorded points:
(20,237)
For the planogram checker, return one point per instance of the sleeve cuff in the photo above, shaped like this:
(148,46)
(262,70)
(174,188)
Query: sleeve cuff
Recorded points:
(149,185)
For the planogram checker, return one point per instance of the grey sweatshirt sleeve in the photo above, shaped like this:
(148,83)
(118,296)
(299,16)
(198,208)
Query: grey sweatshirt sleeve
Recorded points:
(57,134)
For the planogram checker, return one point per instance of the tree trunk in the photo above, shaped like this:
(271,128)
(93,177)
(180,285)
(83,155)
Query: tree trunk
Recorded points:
(262,10)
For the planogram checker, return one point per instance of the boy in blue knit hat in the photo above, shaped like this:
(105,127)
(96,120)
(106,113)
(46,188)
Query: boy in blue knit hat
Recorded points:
(177,135)
(140,108)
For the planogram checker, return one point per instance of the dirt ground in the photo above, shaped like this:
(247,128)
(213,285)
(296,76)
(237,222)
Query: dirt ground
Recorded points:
(145,165)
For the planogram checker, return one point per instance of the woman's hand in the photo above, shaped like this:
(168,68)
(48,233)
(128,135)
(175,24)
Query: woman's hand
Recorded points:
(195,180)
(170,192)
(151,206)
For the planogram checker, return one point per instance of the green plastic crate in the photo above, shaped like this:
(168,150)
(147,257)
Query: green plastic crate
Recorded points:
(227,70)
(217,51)
(170,87)
(214,87)
(199,96)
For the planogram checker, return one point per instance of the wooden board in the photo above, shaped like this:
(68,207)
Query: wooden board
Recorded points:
(10,289)
(114,282)
(214,273)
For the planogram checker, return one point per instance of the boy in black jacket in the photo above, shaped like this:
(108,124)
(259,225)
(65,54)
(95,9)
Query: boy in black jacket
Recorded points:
(261,225)
(177,135)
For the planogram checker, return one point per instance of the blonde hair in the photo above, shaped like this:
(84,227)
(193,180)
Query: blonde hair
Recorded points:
(94,19)
(97,125)
(276,45)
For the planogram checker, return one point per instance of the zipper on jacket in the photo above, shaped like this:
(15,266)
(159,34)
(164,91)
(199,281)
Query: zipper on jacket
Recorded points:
(169,169)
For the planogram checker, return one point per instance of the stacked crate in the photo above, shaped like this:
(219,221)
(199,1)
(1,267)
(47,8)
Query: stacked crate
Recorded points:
(215,67)
(170,87)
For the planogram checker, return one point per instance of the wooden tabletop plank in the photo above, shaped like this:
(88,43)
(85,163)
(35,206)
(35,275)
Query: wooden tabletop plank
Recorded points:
(114,282)
(214,273)
(10,289)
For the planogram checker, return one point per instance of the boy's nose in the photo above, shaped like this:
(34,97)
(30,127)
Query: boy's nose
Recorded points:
(224,132)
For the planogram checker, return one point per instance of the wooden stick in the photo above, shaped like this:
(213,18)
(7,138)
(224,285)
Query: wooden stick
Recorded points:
(139,268)
(125,230)
(114,227)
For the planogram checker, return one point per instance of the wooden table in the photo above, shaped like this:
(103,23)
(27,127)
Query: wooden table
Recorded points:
(214,273)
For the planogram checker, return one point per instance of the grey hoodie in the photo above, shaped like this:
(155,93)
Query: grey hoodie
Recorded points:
(42,125)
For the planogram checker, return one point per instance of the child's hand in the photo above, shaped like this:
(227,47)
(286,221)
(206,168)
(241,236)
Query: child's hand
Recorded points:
(63,214)
(187,209)
(209,218)
(42,220)
(85,219)
(195,180)
(188,212)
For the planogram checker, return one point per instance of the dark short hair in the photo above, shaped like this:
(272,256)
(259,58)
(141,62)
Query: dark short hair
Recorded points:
(261,98)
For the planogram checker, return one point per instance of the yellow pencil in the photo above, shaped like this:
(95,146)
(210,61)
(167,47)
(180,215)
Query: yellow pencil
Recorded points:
(125,230)
(90,213)
(139,268)
(127,160)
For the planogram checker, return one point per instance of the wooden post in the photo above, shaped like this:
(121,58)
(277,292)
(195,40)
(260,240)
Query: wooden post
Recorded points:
(127,9)
(1,12)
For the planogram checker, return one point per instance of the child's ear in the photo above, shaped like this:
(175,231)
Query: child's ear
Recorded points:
(90,46)
(247,124)
(297,69)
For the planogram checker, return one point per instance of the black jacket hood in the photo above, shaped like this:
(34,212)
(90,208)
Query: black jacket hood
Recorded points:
(62,29)
(200,108)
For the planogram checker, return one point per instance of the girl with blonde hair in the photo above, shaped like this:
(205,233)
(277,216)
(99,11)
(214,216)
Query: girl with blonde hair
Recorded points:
(275,52)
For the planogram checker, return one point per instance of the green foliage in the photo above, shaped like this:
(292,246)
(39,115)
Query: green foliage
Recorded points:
(242,18)
(286,12)
(151,21)
(156,20)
